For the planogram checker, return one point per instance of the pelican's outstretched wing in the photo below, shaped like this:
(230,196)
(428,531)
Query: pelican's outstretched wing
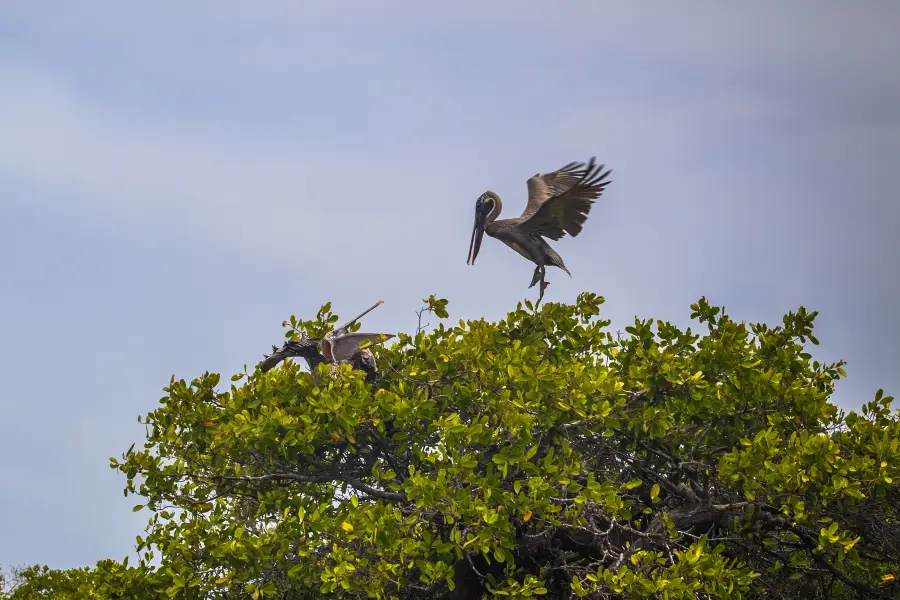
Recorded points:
(306,348)
(546,185)
(566,211)
(340,348)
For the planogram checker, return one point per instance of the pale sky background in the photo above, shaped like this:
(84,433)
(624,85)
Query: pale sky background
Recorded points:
(176,178)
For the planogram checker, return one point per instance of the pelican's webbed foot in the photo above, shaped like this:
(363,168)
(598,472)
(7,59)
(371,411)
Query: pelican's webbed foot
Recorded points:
(544,285)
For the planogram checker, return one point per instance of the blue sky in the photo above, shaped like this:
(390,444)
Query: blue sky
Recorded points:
(177,178)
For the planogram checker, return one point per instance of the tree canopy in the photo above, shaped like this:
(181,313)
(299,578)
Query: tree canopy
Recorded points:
(542,455)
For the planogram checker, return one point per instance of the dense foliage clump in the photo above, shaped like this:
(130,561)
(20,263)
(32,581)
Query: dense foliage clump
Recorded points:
(541,455)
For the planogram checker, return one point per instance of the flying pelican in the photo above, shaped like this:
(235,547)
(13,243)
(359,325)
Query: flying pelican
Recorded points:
(339,346)
(558,203)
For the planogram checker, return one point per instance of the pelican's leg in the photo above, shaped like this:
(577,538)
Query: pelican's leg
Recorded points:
(538,274)
(544,284)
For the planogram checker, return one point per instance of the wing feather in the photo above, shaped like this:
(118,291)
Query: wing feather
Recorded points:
(305,348)
(343,347)
(565,212)
(546,185)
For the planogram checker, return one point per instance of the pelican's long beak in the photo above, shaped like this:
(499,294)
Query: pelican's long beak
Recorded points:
(477,235)
(362,314)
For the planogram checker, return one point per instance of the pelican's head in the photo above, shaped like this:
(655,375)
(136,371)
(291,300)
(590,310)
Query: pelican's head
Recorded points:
(486,209)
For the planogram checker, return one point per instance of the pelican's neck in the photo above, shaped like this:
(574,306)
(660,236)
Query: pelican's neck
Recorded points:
(495,210)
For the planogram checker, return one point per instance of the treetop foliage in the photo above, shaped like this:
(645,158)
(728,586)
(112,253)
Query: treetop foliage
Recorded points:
(541,455)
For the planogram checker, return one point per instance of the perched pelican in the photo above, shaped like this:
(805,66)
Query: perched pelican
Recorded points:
(558,203)
(339,346)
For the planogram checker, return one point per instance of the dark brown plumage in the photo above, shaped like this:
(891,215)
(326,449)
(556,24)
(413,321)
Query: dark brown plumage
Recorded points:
(306,348)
